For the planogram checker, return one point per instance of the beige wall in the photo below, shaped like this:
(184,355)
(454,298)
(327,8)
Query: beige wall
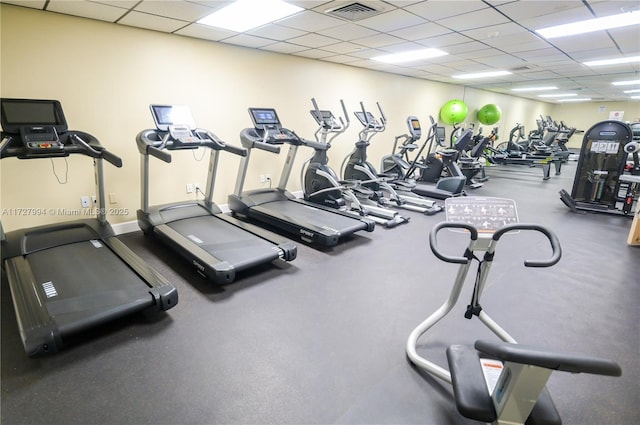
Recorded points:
(106,75)
(583,115)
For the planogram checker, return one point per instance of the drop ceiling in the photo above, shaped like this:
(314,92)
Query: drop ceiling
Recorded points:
(479,35)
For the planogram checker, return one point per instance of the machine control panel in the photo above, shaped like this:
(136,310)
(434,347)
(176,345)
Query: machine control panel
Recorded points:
(41,140)
(485,213)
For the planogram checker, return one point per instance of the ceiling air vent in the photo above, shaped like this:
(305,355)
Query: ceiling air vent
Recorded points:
(353,11)
(520,68)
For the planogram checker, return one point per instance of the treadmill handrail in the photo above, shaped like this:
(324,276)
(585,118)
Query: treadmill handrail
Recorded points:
(154,142)
(73,141)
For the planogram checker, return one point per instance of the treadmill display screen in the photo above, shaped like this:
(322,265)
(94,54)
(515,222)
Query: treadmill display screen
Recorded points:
(415,124)
(440,134)
(166,115)
(16,113)
(264,116)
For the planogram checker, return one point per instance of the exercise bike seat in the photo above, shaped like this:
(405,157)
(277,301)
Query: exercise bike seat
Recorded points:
(472,396)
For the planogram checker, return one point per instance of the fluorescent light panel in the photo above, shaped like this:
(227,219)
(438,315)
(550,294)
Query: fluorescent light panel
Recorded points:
(244,15)
(617,61)
(590,25)
(481,75)
(634,97)
(577,99)
(626,83)
(409,56)
(535,88)
(632,91)
(558,95)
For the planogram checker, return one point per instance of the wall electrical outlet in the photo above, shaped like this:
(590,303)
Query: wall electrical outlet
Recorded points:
(85,201)
(263,178)
(189,188)
(196,187)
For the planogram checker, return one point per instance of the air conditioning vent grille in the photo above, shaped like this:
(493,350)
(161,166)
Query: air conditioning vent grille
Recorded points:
(353,11)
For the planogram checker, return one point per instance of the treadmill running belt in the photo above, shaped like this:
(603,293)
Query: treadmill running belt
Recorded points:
(85,283)
(310,217)
(225,241)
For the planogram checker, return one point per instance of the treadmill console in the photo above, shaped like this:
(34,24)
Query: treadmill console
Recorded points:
(267,124)
(41,140)
(178,121)
(38,122)
(414,128)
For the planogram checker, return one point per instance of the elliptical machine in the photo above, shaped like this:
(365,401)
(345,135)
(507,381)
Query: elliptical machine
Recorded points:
(356,167)
(497,382)
(431,168)
(322,186)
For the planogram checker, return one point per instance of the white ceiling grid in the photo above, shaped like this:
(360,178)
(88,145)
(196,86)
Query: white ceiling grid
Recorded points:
(478,35)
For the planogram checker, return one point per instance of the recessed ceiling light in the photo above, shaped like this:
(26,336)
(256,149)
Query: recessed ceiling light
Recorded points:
(412,55)
(634,97)
(632,91)
(244,15)
(558,95)
(535,88)
(626,83)
(590,25)
(617,61)
(481,75)
(576,99)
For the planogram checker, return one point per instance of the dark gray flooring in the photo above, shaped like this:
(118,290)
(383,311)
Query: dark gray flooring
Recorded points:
(322,340)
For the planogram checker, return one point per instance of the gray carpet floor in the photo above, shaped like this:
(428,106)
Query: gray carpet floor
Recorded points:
(322,340)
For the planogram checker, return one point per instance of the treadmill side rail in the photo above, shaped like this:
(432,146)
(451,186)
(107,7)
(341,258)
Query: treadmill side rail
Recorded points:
(164,293)
(39,333)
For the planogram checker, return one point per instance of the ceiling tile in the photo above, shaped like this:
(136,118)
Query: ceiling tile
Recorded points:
(314,53)
(152,22)
(426,30)
(310,21)
(175,9)
(485,18)
(124,4)
(205,32)
(344,48)
(276,32)
(348,32)
(597,40)
(379,40)
(346,59)
(283,47)
(34,4)
(313,40)
(247,40)
(443,41)
(86,9)
(391,21)
(434,10)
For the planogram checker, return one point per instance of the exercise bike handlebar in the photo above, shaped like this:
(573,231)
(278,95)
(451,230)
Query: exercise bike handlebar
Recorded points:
(433,240)
(553,240)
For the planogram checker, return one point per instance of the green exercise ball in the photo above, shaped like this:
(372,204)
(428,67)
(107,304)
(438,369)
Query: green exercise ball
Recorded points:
(454,111)
(489,114)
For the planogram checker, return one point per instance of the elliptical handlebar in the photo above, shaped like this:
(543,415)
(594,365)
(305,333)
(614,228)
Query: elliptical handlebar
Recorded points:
(553,240)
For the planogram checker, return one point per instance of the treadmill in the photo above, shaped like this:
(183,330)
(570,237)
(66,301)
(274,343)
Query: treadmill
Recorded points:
(68,277)
(277,207)
(216,244)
